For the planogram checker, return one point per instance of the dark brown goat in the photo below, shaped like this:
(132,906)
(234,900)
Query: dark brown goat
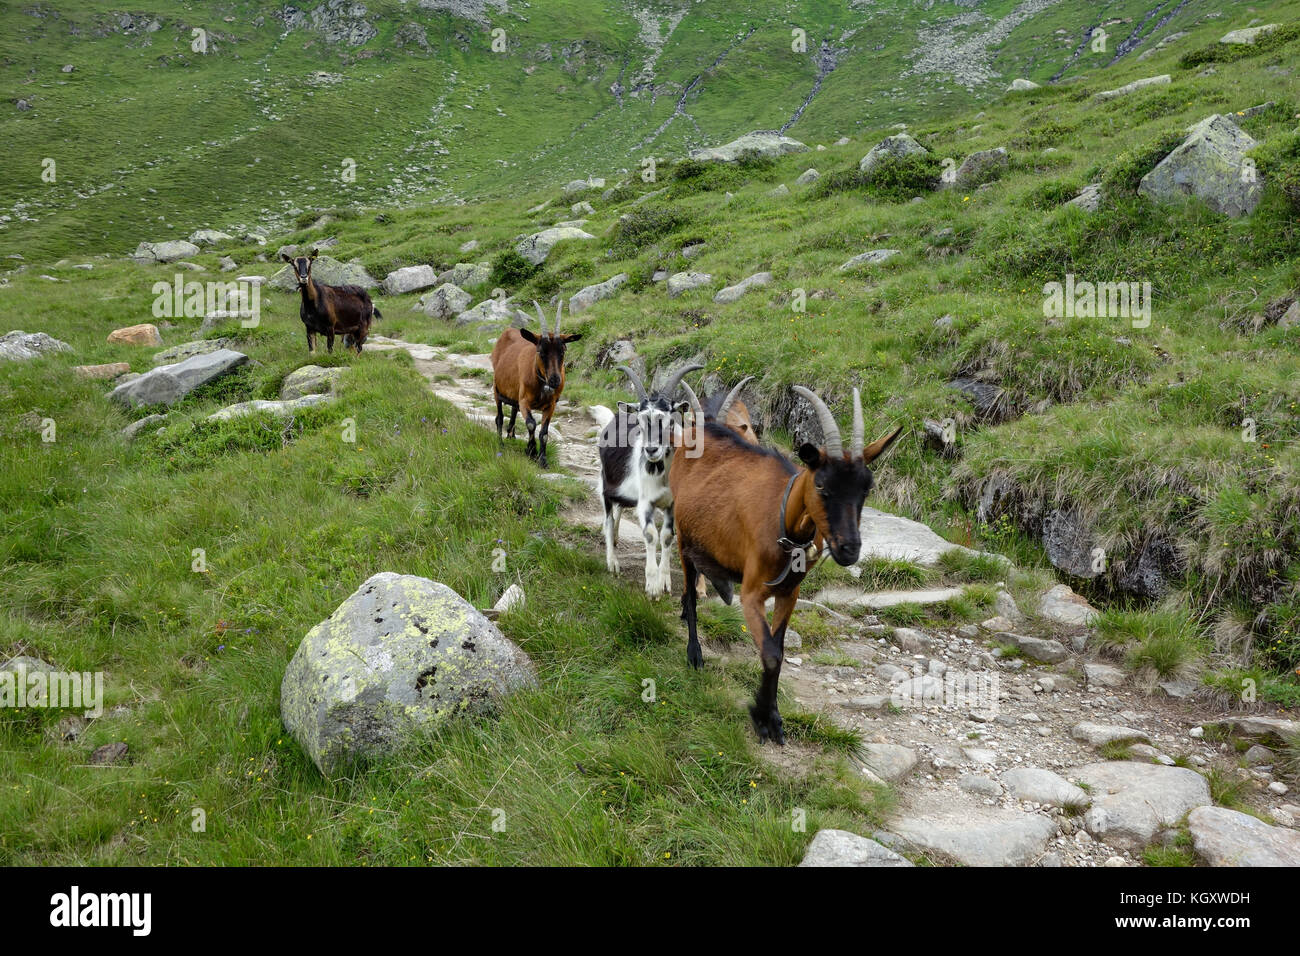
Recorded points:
(331,310)
(528,375)
(747,515)
(729,410)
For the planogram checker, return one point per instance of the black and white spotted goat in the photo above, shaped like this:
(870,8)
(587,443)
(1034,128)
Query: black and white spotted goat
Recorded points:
(636,449)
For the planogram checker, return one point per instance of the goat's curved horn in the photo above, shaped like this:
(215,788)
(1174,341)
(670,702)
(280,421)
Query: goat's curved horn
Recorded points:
(637,384)
(856,436)
(830,430)
(670,387)
(541,316)
(695,404)
(731,397)
(558,309)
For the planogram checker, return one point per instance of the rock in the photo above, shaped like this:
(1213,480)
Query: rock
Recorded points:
(1098,735)
(400,656)
(1043,786)
(1104,675)
(283,409)
(584,298)
(467,275)
(1069,541)
(889,150)
(733,292)
(309,380)
(328,270)
(209,237)
(781,190)
(980,167)
(692,250)
(1163,80)
(1224,837)
(130,431)
(1005,605)
(1278,729)
(1210,165)
(1258,756)
(871,258)
(1248,35)
(228,264)
(1180,689)
(1063,606)
(841,848)
(889,762)
(997,624)
(409,279)
(1039,649)
(680,282)
(168,384)
(511,599)
(989,401)
(581,185)
(19,346)
(144,334)
(108,754)
(494,315)
(183,351)
(980,838)
(901,539)
(468,246)
(1132,802)
(537,247)
(1022,84)
(111,370)
(444,302)
(762,142)
(981,785)
(153,252)
(843,141)
(1089,198)
(583,208)
(807,177)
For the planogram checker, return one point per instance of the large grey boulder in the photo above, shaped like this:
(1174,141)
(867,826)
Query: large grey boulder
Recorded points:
(1278,729)
(680,282)
(409,279)
(1036,785)
(872,257)
(209,237)
(1043,650)
(167,384)
(1089,198)
(282,409)
(328,270)
(1163,80)
(183,351)
(1224,837)
(1061,605)
(1211,165)
(537,247)
(444,302)
(901,539)
(842,848)
(979,837)
(1098,735)
(890,150)
(733,292)
(19,345)
(762,142)
(1247,35)
(887,761)
(168,251)
(1069,541)
(494,315)
(309,380)
(467,275)
(980,167)
(583,299)
(1022,84)
(1132,802)
(398,658)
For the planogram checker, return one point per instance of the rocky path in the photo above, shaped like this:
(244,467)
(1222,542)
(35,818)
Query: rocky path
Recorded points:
(997,758)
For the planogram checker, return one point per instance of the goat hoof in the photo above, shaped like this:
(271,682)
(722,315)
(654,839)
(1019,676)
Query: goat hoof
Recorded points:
(767,725)
(695,657)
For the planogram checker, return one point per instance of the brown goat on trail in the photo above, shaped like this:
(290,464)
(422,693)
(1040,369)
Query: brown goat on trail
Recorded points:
(528,375)
(331,310)
(747,515)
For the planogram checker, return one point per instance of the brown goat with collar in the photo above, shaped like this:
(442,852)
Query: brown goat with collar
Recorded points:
(745,514)
(528,375)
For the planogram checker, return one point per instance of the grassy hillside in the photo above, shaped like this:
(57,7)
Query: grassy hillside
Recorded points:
(1139,430)
(151,138)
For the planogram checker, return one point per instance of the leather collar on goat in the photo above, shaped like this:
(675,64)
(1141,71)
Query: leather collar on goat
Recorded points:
(788,544)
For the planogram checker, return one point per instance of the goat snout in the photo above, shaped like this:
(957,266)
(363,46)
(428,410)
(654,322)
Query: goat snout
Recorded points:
(845,550)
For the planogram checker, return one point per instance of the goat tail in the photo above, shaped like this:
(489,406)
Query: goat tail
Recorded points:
(377,315)
(602,415)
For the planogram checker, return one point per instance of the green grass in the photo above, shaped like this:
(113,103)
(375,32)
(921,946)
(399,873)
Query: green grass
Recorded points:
(1166,641)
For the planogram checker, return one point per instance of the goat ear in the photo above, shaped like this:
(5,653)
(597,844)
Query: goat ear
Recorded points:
(285,257)
(682,409)
(879,446)
(810,455)
(528,335)
(627,408)
(570,336)
(314,254)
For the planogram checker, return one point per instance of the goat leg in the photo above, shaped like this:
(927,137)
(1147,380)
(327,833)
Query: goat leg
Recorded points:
(514,413)
(546,430)
(665,552)
(531,447)
(771,648)
(645,514)
(613,514)
(501,416)
(690,575)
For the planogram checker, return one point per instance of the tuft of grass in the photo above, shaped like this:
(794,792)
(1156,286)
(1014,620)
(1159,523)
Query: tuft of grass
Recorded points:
(1227,789)
(814,728)
(884,574)
(1166,641)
